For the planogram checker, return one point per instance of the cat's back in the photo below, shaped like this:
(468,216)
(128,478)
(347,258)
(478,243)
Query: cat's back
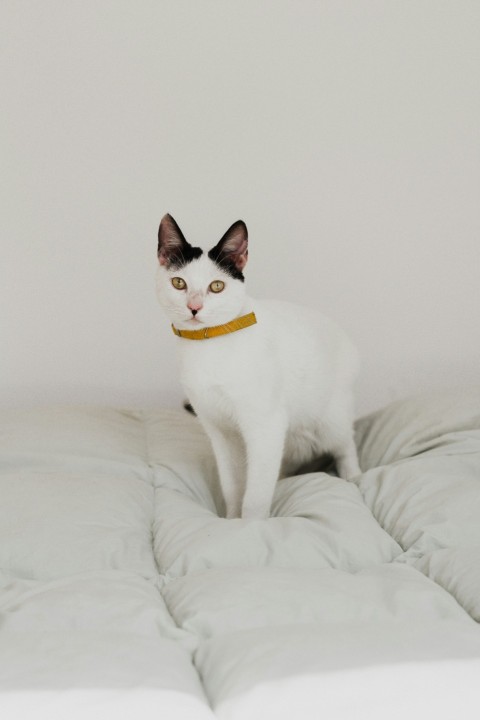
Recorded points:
(295,327)
(305,343)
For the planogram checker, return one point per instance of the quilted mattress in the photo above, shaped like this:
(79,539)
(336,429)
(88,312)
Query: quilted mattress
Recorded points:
(124,594)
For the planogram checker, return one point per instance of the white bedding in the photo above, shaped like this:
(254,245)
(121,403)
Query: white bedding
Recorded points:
(124,595)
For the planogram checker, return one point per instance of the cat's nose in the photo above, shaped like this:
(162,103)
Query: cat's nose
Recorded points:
(194,307)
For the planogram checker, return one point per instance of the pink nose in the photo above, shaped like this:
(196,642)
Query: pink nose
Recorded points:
(194,306)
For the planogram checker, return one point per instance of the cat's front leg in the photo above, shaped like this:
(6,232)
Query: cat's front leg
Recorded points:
(346,460)
(264,440)
(230,465)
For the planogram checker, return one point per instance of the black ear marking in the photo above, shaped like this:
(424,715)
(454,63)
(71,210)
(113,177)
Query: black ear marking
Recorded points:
(231,252)
(173,249)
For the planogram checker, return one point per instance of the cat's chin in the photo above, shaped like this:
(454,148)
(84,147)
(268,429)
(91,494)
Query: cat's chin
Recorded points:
(190,324)
(195,324)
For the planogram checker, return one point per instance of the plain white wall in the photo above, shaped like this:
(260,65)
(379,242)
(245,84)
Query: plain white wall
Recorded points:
(346,135)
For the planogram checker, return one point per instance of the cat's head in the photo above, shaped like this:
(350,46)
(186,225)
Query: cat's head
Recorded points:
(198,289)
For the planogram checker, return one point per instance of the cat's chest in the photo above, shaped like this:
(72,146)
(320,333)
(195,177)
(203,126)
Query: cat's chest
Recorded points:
(213,363)
(230,364)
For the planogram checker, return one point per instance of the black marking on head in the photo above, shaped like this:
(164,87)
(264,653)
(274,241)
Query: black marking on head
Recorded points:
(173,249)
(231,252)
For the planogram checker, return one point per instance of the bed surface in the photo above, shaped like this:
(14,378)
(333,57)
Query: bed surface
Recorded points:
(123,594)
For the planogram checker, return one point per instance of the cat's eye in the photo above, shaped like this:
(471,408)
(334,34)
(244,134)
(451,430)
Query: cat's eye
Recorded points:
(217,286)
(178,283)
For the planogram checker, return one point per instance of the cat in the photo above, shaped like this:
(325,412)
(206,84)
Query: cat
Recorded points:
(274,391)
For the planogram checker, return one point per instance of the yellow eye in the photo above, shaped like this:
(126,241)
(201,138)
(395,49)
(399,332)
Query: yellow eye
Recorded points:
(178,283)
(217,286)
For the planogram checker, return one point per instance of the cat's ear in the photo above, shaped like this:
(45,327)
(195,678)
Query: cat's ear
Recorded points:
(173,249)
(231,253)
(170,241)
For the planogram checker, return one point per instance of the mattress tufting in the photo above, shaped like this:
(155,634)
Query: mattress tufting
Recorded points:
(125,594)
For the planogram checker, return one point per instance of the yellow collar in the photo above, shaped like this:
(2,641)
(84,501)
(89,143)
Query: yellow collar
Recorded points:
(211,332)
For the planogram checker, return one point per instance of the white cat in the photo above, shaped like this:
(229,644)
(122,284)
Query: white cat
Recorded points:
(274,390)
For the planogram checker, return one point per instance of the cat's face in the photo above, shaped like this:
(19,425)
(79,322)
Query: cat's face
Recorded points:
(197,289)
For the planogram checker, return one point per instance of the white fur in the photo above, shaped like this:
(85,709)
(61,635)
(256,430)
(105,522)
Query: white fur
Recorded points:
(271,397)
